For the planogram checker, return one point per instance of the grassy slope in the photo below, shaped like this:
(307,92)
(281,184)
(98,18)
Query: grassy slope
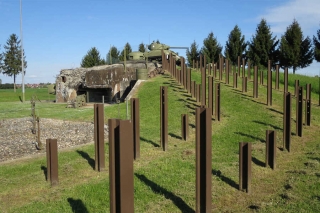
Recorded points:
(165,181)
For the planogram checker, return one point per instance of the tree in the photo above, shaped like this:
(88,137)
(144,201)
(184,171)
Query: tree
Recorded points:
(114,54)
(263,46)
(92,58)
(128,49)
(295,51)
(12,64)
(193,54)
(316,42)
(235,46)
(211,49)
(142,47)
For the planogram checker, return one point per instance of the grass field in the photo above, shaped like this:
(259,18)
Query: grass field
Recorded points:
(165,181)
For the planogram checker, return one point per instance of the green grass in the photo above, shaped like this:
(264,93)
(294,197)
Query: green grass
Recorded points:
(165,181)
(8,95)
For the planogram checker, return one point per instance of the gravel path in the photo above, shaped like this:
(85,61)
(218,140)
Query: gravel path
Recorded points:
(17,140)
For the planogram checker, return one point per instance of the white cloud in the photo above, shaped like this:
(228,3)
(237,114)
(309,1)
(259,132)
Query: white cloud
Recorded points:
(32,76)
(306,12)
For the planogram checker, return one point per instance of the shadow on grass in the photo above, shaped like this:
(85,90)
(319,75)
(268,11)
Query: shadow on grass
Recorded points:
(150,142)
(168,195)
(274,110)
(77,206)
(258,162)
(192,126)
(225,179)
(86,156)
(253,100)
(45,172)
(250,136)
(265,124)
(175,136)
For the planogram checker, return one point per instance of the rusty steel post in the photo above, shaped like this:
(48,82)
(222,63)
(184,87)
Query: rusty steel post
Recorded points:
(203,86)
(135,120)
(210,93)
(296,88)
(221,65)
(261,77)
(185,71)
(215,71)
(121,166)
(163,117)
(271,148)
(238,65)
(243,68)
(198,92)
(235,80)
(52,161)
(277,77)
(308,105)
(244,84)
(200,68)
(217,102)
(184,127)
(245,167)
(269,85)
(209,68)
(299,102)
(193,87)
(227,71)
(286,121)
(193,64)
(99,137)
(203,160)
(285,80)
(255,82)
(249,71)
(188,74)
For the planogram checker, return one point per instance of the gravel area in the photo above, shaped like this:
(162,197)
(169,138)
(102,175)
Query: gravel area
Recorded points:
(17,140)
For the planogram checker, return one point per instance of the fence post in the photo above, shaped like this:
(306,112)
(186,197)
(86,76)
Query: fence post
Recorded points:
(203,160)
(52,161)
(135,120)
(163,117)
(99,137)
(245,167)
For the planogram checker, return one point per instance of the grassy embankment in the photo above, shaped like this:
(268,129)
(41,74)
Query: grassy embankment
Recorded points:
(165,181)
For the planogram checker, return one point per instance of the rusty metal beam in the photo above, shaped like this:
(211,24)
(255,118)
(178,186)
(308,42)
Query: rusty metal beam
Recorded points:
(245,167)
(52,161)
(269,85)
(203,160)
(203,85)
(285,80)
(135,119)
(299,102)
(286,121)
(164,118)
(271,147)
(308,105)
(121,166)
(255,82)
(235,80)
(184,127)
(217,102)
(249,71)
(277,77)
(210,93)
(99,137)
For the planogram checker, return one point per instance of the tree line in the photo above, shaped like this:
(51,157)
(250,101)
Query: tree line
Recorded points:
(11,58)
(93,58)
(292,50)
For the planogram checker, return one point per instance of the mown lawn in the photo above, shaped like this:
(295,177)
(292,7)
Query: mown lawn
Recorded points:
(165,181)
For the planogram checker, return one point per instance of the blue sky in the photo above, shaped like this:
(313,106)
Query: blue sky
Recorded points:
(58,33)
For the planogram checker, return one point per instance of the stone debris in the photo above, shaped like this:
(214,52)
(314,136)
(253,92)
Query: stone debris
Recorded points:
(17,140)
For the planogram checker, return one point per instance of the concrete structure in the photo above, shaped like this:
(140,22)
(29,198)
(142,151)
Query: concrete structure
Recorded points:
(111,81)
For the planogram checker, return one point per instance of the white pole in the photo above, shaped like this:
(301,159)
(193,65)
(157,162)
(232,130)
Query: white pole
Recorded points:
(22,61)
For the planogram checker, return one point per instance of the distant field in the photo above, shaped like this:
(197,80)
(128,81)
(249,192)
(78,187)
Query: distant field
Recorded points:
(8,95)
